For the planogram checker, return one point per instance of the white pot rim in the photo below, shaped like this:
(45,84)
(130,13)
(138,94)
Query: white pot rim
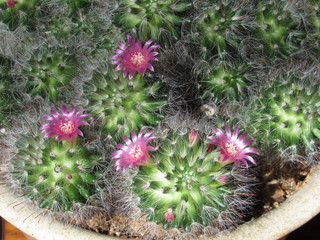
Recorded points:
(290,215)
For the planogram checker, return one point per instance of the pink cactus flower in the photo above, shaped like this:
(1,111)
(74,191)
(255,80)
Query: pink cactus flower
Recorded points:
(66,126)
(135,57)
(11,3)
(135,152)
(232,147)
(169,215)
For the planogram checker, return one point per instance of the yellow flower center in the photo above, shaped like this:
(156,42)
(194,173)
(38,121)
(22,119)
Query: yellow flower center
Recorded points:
(137,59)
(232,149)
(136,152)
(67,127)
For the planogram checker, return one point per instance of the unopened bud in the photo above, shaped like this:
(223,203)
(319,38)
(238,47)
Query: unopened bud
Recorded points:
(193,137)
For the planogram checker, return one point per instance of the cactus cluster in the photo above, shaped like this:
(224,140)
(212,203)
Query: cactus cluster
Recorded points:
(123,105)
(286,115)
(152,18)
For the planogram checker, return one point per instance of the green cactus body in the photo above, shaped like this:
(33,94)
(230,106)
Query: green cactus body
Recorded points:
(315,17)
(4,98)
(21,13)
(123,105)
(186,180)
(56,175)
(150,16)
(220,25)
(287,115)
(227,83)
(48,71)
(277,28)
(7,103)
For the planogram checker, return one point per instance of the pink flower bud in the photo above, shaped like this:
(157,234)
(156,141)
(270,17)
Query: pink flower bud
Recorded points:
(223,179)
(193,137)
(11,3)
(169,216)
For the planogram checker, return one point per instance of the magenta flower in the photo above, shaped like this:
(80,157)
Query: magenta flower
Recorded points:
(135,152)
(232,148)
(65,126)
(135,58)
(11,3)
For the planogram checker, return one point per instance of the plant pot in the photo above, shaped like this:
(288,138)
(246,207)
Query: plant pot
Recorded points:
(294,212)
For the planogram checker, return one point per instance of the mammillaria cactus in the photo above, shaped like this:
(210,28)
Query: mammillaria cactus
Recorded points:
(279,29)
(227,82)
(48,70)
(123,105)
(221,24)
(183,182)
(152,18)
(57,175)
(286,115)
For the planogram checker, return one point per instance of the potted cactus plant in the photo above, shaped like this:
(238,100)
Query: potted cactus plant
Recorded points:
(158,119)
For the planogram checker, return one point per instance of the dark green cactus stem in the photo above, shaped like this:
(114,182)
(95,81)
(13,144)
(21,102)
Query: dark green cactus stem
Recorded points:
(220,25)
(227,83)
(287,115)
(58,176)
(50,69)
(184,179)
(124,105)
(149,17)
(278,29)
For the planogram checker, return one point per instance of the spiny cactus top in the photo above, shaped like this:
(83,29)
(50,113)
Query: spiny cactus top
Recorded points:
(135,58)
(122,105)
(135,152)
(184,182)
(227,82)
(232,147)
(150,17)
(221,24)
(278,27)
(66,126)
(286,115)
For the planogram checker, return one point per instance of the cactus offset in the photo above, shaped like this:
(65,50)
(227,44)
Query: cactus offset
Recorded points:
(150,17)
(122,104)
(286,115)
